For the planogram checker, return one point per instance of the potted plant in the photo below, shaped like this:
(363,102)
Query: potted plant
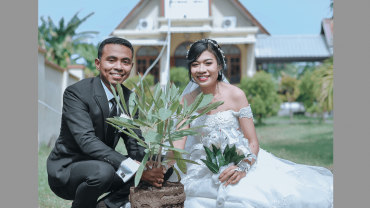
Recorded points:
(162,123)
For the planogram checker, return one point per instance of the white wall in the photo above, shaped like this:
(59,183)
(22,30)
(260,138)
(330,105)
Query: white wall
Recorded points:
(151,10)
(222,8)
(50,91)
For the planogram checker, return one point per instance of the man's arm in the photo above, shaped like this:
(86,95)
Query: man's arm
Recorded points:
(76,116)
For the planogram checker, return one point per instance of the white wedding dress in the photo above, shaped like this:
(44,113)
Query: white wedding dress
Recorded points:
(272,182)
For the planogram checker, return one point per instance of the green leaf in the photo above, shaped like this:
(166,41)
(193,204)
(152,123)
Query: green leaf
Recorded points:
(160,128)
(156,91)
(140,170)
(131,103)
(131,134)
(177,173)
(120,93)
(150,93)
(187,122)
(233,152)
(195,104)
(173,92)
(220,160)
(164,113)
(174,138)
(180,163)
(185,132)
(214,149)
(236,159)
(207,98)
(174,106)
(141,123)
(185,106)
(227,154)
(179,109)
(175,149)
(209,153)
(141,85)
(137,138)
(138,91)
(212,106)
(119,122)
(188,161)
(212,167)
(152,136)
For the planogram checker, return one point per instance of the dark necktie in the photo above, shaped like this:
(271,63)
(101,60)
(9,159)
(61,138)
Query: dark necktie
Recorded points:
(111,131)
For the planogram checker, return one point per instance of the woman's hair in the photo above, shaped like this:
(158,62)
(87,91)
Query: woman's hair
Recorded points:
(197,48)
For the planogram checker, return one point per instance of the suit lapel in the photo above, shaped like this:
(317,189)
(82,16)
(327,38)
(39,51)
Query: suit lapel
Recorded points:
(102,101)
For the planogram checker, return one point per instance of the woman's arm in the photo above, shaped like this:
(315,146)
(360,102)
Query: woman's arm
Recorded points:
(247,124)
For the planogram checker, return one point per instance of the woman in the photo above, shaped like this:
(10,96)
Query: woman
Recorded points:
(261,180)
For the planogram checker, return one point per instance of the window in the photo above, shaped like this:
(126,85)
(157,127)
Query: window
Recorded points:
(232,59)
(145,57)
(180,54)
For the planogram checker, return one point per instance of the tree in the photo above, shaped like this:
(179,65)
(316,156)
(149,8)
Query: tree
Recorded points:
(323,87)
(60,41)
(89,52)
(306,95)
(289,87)
(261,94)
(179,75)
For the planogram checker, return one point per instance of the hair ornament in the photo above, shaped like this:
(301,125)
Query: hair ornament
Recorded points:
(215,44)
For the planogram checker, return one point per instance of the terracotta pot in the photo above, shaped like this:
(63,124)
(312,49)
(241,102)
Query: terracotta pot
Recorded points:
(170,195)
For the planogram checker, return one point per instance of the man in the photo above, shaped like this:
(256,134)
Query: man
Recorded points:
(83,165)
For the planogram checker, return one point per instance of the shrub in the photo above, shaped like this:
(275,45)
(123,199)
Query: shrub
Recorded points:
(148,78)
(306,96)
(179,75)
(261,94)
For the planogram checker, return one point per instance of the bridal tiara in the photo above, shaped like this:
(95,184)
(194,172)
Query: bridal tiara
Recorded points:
(215,44)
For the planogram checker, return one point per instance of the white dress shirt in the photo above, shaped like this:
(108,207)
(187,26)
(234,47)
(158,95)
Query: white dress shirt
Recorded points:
(127,167)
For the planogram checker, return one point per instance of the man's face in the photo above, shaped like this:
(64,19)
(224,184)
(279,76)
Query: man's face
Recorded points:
(115,64)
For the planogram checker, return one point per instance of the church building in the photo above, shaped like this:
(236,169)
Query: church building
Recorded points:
(247,45)
(226,21)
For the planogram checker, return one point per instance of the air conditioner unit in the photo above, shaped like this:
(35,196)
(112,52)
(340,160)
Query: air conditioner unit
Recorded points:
(229,22)
(145,24)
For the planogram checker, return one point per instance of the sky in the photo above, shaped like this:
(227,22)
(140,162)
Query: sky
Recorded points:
(278,17)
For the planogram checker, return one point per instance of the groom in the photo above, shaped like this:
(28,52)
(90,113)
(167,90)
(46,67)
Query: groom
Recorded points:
(83,165)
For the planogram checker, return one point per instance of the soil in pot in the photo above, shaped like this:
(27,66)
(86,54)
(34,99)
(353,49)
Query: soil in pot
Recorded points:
(170,195)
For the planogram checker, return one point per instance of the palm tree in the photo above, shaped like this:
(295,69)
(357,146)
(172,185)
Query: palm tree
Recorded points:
(60,41)
(89,52)
(323,87)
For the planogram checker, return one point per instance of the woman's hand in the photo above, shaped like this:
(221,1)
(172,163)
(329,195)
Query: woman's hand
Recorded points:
(231,175)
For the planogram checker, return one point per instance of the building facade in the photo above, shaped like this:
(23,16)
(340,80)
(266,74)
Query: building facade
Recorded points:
(226,21)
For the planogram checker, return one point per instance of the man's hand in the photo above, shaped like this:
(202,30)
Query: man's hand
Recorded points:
(153,175)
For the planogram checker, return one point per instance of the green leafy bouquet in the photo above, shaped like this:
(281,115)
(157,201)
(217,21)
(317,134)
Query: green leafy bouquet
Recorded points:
(216,159)
(163,120)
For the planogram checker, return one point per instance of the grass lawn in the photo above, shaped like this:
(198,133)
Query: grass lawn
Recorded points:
(307,143)
(296,118)
(303,143)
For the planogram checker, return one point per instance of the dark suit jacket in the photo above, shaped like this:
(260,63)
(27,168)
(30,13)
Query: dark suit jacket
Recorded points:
(83,132)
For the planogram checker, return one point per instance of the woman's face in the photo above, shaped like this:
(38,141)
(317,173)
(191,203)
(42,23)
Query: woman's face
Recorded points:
(205,69)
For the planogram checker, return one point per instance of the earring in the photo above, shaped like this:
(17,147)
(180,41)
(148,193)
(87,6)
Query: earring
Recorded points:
(219,72)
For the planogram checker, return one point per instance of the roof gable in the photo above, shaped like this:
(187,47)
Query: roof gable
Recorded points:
(246,20)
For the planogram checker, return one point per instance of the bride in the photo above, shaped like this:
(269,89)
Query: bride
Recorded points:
(261,180)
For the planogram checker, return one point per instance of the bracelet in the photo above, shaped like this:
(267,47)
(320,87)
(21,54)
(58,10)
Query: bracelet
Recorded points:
(244,166)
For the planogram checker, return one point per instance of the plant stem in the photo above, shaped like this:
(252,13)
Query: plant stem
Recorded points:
(160,147)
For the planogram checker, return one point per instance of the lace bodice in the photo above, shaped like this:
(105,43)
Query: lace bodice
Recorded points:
(220,120)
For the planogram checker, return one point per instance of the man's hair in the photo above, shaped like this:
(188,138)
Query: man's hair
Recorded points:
(114,40)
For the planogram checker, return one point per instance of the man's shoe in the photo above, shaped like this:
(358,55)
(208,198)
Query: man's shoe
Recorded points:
(101,205)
